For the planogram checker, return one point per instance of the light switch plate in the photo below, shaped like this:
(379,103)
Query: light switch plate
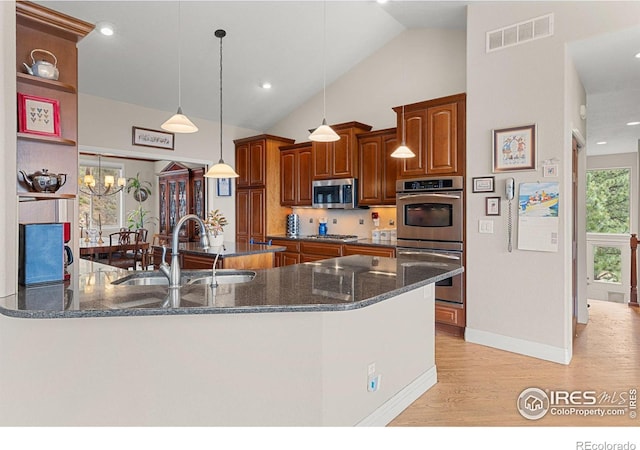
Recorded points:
(485,226)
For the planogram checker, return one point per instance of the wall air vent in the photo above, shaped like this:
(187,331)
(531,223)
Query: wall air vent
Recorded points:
(519,33)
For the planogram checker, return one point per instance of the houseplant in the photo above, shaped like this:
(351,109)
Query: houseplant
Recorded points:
(215,223)
(137,218)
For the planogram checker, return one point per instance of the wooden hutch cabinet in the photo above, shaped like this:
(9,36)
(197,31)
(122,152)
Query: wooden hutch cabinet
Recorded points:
(181,192)
(338,159)
(295,174)
(258,209)
(378,171)
(435,132)
(38,27)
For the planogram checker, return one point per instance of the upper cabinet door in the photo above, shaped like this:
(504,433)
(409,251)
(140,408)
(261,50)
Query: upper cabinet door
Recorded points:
(441,133)
(322,160)
(414,129)
(257,163)
(343,151)
(242,165)
(288,178)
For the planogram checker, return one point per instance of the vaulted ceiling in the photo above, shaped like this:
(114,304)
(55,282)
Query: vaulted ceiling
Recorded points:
(157,42)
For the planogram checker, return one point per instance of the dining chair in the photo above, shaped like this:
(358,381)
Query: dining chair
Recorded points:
(124,251)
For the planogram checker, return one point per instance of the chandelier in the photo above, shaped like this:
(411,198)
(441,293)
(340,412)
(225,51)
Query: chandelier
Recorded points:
(99,186)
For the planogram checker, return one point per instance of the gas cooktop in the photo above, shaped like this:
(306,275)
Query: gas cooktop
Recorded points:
(333,237)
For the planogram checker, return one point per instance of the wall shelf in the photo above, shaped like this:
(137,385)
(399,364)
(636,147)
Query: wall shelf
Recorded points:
(49,139)
(51,84)
(32,196)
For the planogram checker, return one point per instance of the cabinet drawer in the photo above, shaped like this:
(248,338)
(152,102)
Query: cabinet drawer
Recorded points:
(321,248)
(350,249)
(450,315)
(292,246)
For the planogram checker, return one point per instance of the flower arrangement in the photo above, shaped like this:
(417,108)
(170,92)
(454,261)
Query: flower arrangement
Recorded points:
(215,222)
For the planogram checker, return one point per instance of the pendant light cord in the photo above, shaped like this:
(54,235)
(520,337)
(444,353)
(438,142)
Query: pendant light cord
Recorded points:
(324,61)
(179,59)
(220,34)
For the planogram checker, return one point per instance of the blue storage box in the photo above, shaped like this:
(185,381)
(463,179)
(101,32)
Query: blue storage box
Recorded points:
(41,258)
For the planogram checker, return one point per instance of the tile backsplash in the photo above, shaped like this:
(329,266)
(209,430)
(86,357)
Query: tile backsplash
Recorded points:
(347,221)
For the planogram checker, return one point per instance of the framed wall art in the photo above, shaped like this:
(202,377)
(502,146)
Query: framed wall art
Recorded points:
(514,149)
(38,115)
(493,206)
(146,137)
(483,184)
(224,187)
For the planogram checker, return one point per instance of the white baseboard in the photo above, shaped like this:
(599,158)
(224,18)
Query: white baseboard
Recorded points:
(520,346)
(399,402)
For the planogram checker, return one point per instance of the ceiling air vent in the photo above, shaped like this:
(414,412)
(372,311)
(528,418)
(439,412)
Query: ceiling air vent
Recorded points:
(519,33)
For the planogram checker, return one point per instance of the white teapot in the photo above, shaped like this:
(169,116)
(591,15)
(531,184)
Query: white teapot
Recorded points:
(42,68)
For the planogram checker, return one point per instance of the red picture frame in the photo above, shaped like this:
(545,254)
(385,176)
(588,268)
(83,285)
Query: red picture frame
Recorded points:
(38,115)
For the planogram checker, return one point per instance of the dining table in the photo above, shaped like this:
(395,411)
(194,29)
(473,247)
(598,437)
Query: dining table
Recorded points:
(92,250)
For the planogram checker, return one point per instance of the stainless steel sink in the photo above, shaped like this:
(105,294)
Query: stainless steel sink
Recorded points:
(156,278)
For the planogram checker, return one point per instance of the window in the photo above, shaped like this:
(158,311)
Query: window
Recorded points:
(608,201)
(607,264)
(108,208)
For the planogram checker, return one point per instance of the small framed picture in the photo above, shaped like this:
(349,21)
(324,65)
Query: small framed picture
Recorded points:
(38,115)
(550,170)
(224,187)
(493,206)
(514,149)
(145,137)
(483,184)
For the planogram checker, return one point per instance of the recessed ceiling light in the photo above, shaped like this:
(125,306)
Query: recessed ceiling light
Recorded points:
(266,85)
(601,142)
(105,28)
(633,123)
(638,55)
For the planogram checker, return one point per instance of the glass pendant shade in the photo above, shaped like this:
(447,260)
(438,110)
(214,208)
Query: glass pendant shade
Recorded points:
(221,170)
(324,133)
(179,123)
(403,152)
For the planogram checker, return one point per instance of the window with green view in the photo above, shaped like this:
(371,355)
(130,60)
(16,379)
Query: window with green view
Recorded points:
(608,201)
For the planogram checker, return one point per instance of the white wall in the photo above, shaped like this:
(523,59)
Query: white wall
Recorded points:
(8,127)
(527,306)
(418,64)
(105,126)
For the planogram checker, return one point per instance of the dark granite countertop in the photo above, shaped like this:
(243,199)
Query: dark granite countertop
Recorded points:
(230,249)
(337,284)
(359,241)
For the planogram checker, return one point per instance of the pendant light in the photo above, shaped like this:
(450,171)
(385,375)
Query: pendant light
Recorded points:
(221,170)
(179,123)
(324,133)
(403,151)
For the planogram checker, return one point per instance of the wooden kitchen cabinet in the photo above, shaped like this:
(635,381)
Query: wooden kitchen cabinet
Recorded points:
(315,251)
(290,256)
(258,208)
(180,192)
(355,249)
(435,131)
(295,174)
(338,159)
(378,171)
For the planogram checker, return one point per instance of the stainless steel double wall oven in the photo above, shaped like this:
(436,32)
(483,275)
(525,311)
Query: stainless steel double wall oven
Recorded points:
(430,221)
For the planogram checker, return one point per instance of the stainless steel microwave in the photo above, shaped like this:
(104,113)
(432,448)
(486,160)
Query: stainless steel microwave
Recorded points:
(339,193)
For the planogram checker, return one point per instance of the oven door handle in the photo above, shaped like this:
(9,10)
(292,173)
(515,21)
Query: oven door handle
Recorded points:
(439,255)
(405,197)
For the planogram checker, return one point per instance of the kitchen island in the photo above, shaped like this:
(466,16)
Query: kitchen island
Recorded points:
(233,255)
(345,341)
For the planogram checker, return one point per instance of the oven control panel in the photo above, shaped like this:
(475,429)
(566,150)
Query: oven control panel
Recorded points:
(429,184)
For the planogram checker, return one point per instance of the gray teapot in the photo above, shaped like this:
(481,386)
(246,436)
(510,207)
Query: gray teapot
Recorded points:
(42,68)
(43,181)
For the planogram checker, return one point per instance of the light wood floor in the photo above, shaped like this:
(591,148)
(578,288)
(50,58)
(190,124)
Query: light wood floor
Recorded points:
(479,386)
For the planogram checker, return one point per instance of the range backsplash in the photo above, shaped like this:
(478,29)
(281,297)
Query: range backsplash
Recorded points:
(347,221)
